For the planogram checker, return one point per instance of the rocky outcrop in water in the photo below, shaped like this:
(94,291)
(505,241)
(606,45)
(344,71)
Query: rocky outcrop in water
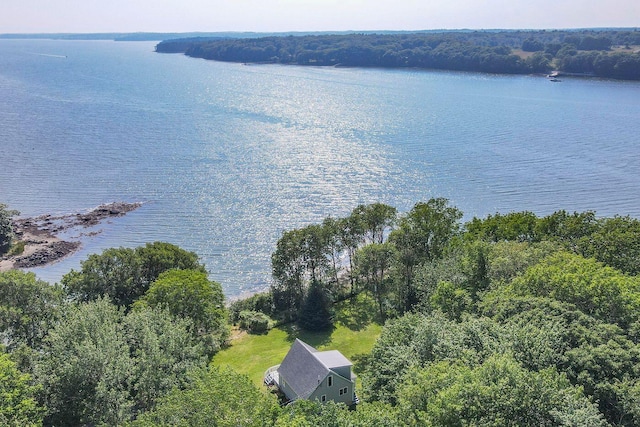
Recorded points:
(51,252)
(40,234)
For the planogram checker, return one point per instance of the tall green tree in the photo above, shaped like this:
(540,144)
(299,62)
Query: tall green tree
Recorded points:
(373,263)
(85,367)
(416,340)
(615,242)
(382,370)
(476,264)
(567,228)
(514,226)
(100,366)
(374,220)
(450,300)
(304,256)
(423,235)
(316,313)
(335,248)
(430,227)
(545,333)
(510,259)
(158,257)
(28,308)
(115,273)
(314,247)
(288,270)
(18,404)
(162,353)
(351,235)
(190,294)
(6,228)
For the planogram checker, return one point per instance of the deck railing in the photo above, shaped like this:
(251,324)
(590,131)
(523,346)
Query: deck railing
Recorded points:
(356,399)
(271,376)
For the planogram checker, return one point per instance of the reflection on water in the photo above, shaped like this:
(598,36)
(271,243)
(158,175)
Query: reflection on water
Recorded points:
(229,156)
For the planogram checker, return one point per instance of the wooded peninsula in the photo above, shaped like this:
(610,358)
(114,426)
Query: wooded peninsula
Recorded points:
(608,53)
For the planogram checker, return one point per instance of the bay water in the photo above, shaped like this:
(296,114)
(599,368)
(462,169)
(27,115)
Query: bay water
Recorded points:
(227,156)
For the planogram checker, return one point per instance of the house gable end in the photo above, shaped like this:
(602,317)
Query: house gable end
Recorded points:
(305,373)
(333,392)
(336,362)
(301,371)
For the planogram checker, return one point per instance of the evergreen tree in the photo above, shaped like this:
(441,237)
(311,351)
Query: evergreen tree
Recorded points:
(316,313)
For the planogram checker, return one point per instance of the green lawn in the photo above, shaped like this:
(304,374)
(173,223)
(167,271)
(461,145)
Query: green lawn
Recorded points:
(355,333)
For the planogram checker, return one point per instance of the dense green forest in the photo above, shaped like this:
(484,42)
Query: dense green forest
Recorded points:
(512,319)
(603,53)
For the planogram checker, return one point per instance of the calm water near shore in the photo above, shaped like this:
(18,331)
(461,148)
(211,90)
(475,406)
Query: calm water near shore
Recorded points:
(227,156)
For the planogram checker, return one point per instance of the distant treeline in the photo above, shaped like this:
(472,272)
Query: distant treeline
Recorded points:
(602,53)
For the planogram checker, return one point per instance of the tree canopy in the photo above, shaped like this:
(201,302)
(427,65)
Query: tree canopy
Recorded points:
(18,397)
(102,366)
(123,274)
(497,392)
(189,294)
(213,397)
(578,51)
(512,319)
(28,308)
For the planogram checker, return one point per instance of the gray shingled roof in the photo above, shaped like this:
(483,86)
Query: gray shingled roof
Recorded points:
(304,367)
(332,359)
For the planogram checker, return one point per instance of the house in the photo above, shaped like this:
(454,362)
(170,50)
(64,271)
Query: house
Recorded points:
(306,373)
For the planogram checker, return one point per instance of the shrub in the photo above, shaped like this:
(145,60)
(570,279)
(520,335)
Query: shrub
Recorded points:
(17,248)
(254,322)
(262,302)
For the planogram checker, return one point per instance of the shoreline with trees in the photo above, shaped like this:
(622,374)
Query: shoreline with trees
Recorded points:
(598,53)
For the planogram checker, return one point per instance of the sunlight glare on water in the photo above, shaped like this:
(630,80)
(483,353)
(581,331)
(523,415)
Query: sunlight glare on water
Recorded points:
(228,156)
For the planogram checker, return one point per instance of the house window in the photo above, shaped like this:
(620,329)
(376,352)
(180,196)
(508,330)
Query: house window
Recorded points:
(329,381)
(344,390)
(323,398)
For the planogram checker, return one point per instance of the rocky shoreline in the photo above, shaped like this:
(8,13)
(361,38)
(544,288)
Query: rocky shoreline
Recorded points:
(40,234)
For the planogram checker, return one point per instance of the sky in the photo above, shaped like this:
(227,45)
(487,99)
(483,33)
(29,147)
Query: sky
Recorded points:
(92,16)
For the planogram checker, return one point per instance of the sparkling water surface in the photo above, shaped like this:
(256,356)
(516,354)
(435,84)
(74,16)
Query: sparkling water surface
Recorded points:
(228,156)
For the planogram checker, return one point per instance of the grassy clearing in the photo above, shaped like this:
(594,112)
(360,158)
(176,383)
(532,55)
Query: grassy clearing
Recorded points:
(521,53)
(355,333)
(626,49)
